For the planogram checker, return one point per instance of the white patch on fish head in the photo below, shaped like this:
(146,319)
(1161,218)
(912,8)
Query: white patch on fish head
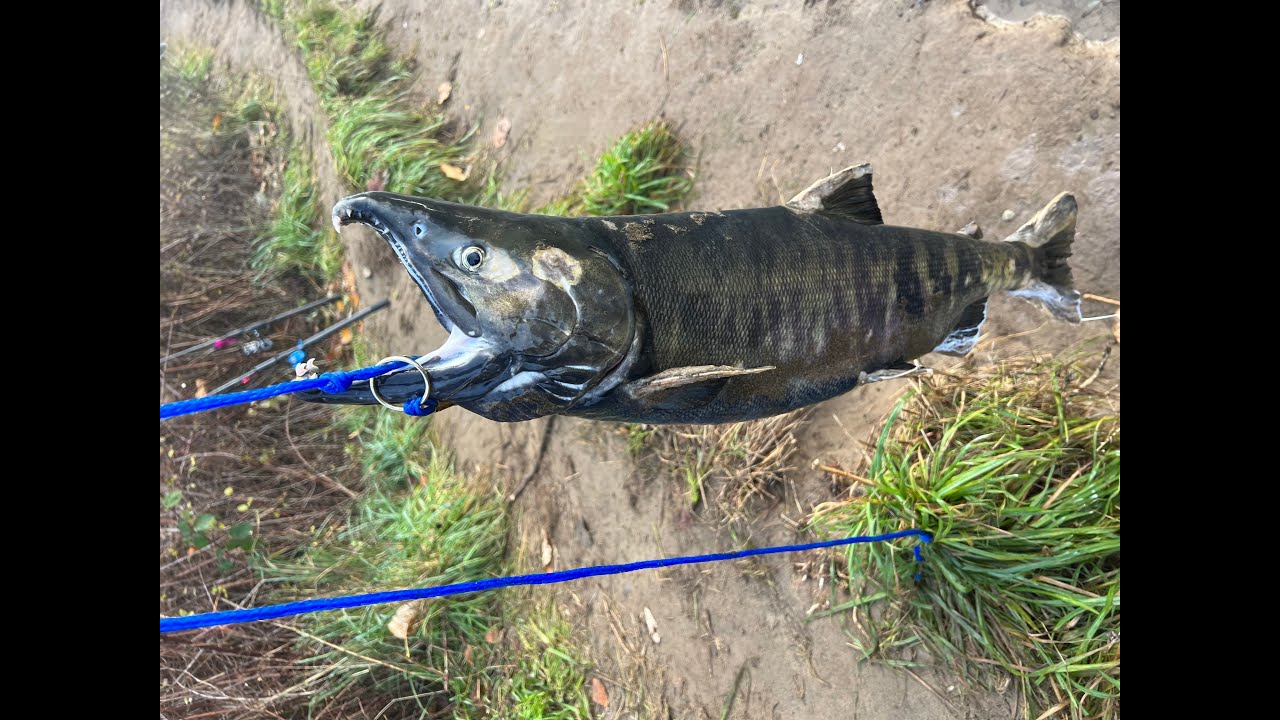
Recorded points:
(556,267)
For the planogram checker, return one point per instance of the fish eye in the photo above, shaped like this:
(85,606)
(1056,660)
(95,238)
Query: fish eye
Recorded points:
(470,258)
(419,230)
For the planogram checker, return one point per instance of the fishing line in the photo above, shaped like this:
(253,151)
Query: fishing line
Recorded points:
(268,612)
(331,382)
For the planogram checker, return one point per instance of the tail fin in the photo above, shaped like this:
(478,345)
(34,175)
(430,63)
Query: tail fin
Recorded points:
(1049,235)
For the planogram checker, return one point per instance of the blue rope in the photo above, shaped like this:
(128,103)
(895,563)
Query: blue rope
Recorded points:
(230,617)
(333,382)
(414,407)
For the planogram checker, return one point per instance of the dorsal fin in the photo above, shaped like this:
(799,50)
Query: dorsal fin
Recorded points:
(844,194)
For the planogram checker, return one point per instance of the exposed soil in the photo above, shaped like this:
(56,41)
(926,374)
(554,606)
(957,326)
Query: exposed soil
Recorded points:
(963,118)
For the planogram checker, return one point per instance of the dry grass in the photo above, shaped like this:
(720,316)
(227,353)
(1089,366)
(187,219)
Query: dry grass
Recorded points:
(243,480)
(732,471)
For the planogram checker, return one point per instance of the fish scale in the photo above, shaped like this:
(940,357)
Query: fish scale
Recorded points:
(803,274)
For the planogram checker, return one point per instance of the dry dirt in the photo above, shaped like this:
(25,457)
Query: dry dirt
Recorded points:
(962,117)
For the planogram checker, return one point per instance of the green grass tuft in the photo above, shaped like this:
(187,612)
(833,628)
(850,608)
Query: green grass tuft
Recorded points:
(343,50)
(549,679)
(1016,473)
(192,64)
(643,172)
(377,134)
(296,240)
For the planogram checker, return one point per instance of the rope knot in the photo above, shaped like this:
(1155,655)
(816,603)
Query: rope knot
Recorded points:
(415,407)
(337,382)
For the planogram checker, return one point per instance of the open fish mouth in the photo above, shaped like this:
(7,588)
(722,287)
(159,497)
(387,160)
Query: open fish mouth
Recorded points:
(447,300)
(462,370)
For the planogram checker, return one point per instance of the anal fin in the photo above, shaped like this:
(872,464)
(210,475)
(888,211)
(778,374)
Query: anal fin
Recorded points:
(968,327)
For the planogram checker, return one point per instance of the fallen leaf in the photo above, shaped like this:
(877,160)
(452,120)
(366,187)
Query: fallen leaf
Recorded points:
(467,653)
(546,550)
(201,389)
(377,180)
(598,694)
(491,637)
(652,625)
(345,336)
(217,122)
(500,132)
(453,172)
(443,92)
(407,618)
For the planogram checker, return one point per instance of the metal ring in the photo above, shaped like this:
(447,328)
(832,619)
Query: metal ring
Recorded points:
(426,392)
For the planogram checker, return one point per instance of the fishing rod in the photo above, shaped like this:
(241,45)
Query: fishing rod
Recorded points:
(303,344)
(250,328)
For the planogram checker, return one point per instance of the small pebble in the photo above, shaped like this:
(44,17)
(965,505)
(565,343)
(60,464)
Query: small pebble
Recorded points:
(1007,216)
(366,272)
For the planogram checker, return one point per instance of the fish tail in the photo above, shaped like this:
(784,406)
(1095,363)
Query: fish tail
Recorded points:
(1048,237)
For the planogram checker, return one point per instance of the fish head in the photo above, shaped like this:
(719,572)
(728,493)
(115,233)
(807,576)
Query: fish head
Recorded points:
(538,318)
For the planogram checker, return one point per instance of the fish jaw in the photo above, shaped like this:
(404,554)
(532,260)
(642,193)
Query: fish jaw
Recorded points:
(398,220)
(462,370)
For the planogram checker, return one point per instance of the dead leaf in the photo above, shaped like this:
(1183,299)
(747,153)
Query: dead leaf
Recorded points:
(377,180)
(491,637)
(443,92)
(598,694)
(546,550)
(652,625)
(217,122)
(467,654)
(345,336)
(201,389)
(453,172)
(407,618)
(500,132)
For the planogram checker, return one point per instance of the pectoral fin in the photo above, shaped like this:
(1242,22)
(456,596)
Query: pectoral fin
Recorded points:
(894,372)
(686,383)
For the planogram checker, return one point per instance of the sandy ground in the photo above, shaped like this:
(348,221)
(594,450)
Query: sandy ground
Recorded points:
(962,117)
